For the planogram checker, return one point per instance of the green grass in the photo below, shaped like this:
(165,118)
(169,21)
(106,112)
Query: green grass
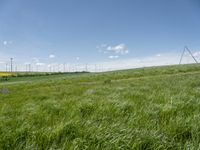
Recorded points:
(148,108)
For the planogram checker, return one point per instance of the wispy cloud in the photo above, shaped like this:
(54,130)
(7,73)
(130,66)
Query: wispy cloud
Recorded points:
(52,56)
(113,57)
(196,54)
(35,60)
(27,63)
(155,60)
(7,42)
(40,64)
(158,55)
(120,49)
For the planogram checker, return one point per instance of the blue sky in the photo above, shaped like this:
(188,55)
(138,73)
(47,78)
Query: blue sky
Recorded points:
(97,31)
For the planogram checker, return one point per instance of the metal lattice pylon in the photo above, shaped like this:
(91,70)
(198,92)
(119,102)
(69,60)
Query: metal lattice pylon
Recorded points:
(187,49)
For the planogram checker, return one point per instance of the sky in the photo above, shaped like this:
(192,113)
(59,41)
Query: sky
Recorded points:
(103,34)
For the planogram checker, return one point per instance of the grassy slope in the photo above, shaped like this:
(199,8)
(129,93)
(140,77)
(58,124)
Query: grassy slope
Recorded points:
(151,108)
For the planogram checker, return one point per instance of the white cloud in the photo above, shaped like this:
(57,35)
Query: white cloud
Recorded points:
(37,62)
(113,57)
(7,42)
(77,58)
(52,56)
(117,49)
(27,63)
(35,59)
(158,55)
(40,64)
(196,54)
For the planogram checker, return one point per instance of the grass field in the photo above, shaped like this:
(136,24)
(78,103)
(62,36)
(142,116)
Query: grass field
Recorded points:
(148,108)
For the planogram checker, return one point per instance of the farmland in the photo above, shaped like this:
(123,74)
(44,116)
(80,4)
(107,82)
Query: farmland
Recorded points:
(147,108)
(5,74)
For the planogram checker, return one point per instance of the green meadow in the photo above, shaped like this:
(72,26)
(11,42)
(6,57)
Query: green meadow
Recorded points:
(147,108)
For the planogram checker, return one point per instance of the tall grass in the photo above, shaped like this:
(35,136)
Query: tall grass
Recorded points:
(150,108)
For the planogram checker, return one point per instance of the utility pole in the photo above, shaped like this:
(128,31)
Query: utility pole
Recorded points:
(11,64)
